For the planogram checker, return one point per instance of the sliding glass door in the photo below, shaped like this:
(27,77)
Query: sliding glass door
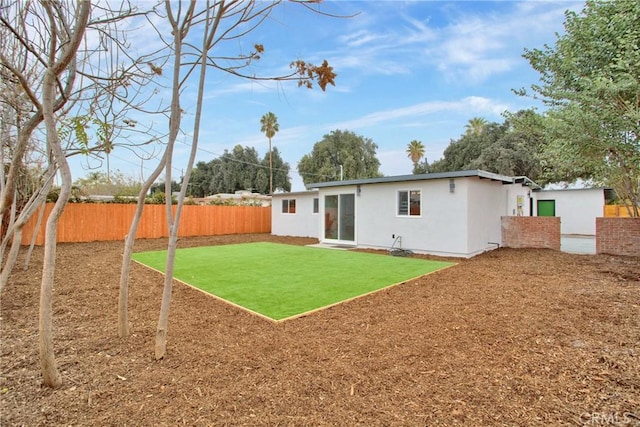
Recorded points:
(339,217)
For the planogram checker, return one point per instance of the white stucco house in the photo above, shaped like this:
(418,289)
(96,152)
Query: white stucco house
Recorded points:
(578,208)
(448,214)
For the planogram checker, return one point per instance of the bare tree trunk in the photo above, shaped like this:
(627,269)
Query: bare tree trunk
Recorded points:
(163,321)
(10,224)
(129,241)
(12,257)
(179,31)
(32,243)
(51,375)
(14,232)
(8,191)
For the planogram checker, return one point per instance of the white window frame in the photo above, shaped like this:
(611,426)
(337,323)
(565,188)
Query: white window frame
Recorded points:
(288,207)
(408,193)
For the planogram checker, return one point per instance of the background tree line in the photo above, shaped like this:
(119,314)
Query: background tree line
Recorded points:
(240,169)
(507,148)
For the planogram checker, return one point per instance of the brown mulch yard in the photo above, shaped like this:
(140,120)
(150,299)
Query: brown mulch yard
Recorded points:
(508,338)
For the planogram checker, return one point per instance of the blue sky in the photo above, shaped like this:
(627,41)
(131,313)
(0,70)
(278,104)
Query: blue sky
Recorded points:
(406,70)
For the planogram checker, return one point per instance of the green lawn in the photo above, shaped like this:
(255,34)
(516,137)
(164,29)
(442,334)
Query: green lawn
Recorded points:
(282,281)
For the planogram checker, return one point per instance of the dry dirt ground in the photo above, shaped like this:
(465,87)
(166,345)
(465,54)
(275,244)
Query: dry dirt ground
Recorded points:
(508,338)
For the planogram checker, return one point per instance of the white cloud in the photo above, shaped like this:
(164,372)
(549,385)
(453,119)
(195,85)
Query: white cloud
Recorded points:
(475,48)
(471,48)
(472,106)
(418,32)
(359,38)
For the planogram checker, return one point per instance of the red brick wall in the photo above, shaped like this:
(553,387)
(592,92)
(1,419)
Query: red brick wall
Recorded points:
(531,232)
(618,236)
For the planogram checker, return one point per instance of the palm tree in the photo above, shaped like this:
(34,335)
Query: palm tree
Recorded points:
(269,125)
(415,151)
(476,126)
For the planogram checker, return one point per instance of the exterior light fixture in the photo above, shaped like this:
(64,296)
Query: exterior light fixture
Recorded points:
(452,186)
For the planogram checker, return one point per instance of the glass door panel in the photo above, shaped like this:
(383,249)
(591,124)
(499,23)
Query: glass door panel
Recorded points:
(339,217)
(347,217)
(331,217)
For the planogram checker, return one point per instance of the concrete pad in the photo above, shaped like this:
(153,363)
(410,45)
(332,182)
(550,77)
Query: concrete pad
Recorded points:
(578,244)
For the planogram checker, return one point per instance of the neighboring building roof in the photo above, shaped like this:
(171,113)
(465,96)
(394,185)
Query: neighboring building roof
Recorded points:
(241,196)
(295,193)
(421,177)
(526,181)
(543,190)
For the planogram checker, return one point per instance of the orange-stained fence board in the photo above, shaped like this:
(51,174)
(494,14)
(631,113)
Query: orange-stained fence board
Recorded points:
(89,222)
(619,211)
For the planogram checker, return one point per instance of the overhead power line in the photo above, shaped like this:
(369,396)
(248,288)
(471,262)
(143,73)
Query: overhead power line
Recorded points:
(216,155)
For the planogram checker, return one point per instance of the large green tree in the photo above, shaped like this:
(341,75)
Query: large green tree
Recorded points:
(509,148)
(279,173)
(590,79)
(340,154)
(463,153)
(161,186)
(240,169)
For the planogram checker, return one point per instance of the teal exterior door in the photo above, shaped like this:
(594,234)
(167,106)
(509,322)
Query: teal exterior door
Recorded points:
(546,208)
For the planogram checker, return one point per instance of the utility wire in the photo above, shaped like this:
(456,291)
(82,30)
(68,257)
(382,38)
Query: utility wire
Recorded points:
(219,156)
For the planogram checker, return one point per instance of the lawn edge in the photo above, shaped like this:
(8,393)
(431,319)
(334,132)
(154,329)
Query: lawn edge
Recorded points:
(299,315)
(216,297)
(306,313)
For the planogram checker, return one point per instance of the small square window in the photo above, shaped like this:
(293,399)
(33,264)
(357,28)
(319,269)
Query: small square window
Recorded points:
(289,206)
(409,203)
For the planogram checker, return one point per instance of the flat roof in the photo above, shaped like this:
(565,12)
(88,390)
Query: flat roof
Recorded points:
(419,177)
(295,193)
(573,189)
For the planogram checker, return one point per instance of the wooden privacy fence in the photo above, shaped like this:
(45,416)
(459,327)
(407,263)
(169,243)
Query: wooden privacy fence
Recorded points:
(107,221)
(619,211)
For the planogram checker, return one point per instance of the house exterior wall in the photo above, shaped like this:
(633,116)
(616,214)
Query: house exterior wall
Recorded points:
(440,229)
(488,201)
(518,200)
(577,208)
(302,223)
